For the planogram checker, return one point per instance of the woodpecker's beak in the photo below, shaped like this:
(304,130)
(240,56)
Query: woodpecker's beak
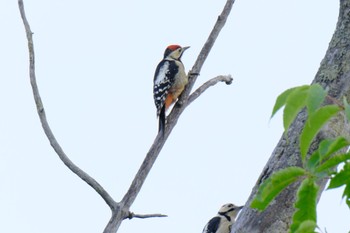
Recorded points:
(185,48)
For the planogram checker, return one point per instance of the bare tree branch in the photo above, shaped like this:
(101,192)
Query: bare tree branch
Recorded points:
(133,215)
(193,74)
(220,23)
(41,111)
(222,78)
(120,210)
(172,119)
(153,153)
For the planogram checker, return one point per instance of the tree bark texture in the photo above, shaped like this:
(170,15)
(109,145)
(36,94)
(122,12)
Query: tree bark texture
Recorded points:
(334,76)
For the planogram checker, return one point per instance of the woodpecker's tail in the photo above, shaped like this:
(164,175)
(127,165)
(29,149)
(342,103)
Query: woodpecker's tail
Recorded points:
(162,120)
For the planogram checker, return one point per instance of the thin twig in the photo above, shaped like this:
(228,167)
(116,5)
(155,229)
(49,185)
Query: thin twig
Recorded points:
(133,215)
(222,78)
(41,111)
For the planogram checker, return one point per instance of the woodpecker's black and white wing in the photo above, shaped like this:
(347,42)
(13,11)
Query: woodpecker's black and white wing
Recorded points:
(164,78)
(213,225)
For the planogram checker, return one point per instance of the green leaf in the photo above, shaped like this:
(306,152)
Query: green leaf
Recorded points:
(333,162)
(315,98)
(313,161)
(338,180)
(326,148)
(341,178)
(273,185)
(295,101)
(307,226)
(331,146)
(281,100)
(313,124)
(305,204)
(346,108)
(346,194)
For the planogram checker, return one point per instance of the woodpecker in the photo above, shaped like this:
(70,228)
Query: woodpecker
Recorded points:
(169,81)
(223,221)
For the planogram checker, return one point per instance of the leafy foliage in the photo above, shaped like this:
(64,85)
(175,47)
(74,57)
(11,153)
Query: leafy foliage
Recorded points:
(282,100)
(307,226)
(346,194)
(313,125)
(315,98)
(294,99)
(274,185)
(305,204)
(341,178)
(332,162)
(320,160)
(320,164)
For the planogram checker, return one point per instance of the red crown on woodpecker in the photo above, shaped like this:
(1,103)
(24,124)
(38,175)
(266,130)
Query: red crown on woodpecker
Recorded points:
(172,48)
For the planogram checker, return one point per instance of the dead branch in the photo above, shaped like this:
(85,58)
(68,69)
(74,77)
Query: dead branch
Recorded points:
(41,112)
(222,78)
(120,211)
(133,215)
(153,153)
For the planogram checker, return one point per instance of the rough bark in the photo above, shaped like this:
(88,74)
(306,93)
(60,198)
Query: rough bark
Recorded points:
(334,75)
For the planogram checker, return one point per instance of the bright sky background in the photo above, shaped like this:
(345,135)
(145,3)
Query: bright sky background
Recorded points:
(95,62)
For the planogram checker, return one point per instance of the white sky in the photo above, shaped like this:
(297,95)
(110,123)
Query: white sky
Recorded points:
(95,62)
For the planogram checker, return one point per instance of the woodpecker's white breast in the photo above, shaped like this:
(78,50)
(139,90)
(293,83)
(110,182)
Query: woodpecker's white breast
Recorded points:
(225,226)
(181,80)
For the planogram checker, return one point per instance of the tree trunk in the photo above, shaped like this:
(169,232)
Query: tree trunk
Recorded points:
(334,76)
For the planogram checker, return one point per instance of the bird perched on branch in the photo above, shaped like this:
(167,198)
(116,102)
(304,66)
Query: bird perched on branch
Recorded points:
(223,221)
(169,81)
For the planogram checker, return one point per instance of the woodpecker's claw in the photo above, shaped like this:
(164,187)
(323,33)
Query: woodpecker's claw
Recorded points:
(180,103)
(194,74)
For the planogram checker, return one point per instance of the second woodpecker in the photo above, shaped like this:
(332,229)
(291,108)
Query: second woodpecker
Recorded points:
(223,221)
(169,81)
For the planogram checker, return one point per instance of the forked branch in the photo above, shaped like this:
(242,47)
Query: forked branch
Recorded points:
(177,110)
(222,78)
(120,211)
(41,112)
